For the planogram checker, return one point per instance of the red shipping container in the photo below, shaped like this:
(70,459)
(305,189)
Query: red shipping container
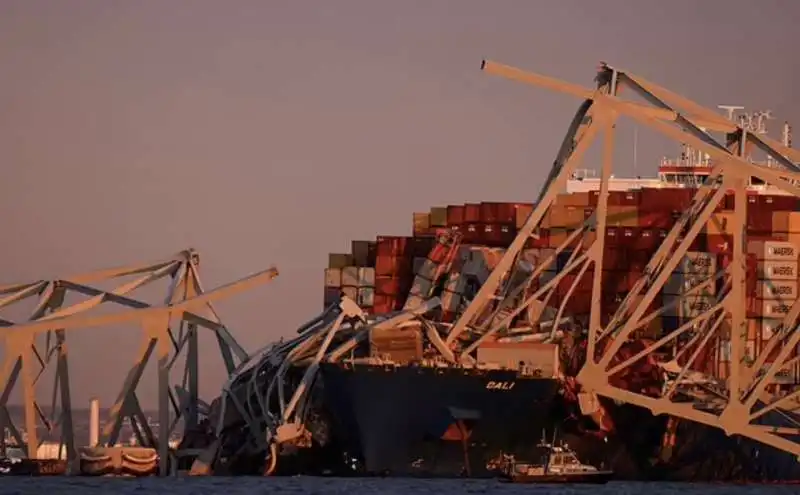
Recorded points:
(455,215)
(578,303)
(421,246)
(472,213)
(383,303)
(616,198)
(759,220)
(472,233)
(584,284)
(391,245)
(488,213)
(614,258)
(614,282)
(670,199)
(612,236)
(776,202)
(386,265)
(498,235)
(658,218)
(507,213)
(624,198)
(647,240)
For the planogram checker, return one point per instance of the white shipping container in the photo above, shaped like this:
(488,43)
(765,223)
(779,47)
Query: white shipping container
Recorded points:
(688,307)
(698,262)
(350,276)
(768,329)
(680,283)
(333,277)
(366,277)
(366,297)
(777,270)
(775,309)
(750,351)
(784,290)
(450,301)
(773,250)
(724,351)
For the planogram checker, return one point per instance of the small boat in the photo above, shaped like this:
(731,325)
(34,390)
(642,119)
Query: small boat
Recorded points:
(557,465)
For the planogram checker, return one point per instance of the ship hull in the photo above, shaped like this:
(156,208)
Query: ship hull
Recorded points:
(435,422)
(403,421)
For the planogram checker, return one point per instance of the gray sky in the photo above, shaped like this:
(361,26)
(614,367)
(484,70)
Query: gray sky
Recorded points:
(265,132)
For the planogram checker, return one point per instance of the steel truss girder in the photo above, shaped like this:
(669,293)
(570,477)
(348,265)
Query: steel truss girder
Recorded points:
(259,398)
(168,330)
(735,407)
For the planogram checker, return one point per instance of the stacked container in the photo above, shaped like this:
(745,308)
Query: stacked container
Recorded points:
(393,274)
(333,276)
(776,291)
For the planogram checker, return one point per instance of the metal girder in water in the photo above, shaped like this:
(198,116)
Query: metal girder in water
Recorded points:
(740,403)
(168,329)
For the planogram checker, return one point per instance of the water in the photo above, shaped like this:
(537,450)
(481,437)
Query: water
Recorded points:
(308,485)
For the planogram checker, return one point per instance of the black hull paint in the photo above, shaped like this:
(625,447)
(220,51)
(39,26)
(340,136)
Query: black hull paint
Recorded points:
(392,420)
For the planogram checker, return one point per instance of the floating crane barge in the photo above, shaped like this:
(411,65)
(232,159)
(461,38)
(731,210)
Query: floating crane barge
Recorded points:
(503,328)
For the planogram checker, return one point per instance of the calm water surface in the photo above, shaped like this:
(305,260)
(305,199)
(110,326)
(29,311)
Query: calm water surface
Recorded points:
(253,486)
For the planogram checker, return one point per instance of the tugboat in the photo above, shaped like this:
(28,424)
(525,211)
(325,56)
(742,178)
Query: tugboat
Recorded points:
(558,464)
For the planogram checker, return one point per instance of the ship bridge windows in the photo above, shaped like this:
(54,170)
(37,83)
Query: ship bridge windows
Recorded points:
(688,180)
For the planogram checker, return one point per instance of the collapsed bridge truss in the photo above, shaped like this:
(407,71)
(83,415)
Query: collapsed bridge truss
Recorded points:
(739,405)
(168,329)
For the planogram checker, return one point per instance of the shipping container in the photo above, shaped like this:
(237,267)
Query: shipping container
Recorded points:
(689,307)
(570,217)
(350,276)
(391,245)
(557,237)
(573,199)
(332,296)
(777,270)
(776,202)
(759,220)
(419,262)
(785,290)
(333,277)
(472,233)
(422,224)
(773,250)
(366,277)
(774,309)
(680,283)
(438,216)
(339,260)
(540,238)
(498,235)
(697,262)
(622,216)
(392,266)
(391,285)
(455,215)
(472,213)
(363,253)
(422,246)
(450,301)
(655,219)
(384,303)
(784,221)
(521,213)
(366,296)
(720,223)
(489,213)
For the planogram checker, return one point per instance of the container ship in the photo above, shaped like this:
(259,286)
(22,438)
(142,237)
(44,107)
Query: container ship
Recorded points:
(406,419)
(387,381)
